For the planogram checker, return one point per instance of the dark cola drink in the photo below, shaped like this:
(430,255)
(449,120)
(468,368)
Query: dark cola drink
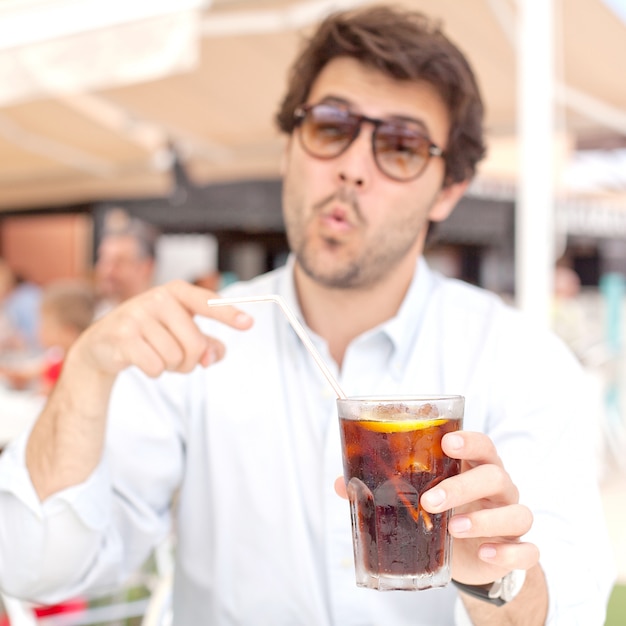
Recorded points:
(392,455)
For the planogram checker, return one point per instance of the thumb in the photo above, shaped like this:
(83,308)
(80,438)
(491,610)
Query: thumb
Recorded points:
(340,488)
(214,352)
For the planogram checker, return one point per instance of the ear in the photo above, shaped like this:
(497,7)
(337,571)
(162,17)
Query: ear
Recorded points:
(446,201)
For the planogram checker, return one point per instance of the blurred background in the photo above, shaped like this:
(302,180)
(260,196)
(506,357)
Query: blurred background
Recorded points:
(161,112)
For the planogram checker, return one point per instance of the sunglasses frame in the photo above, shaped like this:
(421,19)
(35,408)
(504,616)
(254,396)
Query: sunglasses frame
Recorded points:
(301,113)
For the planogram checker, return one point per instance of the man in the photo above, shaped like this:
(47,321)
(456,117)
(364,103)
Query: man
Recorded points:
(125,264)
(384,131)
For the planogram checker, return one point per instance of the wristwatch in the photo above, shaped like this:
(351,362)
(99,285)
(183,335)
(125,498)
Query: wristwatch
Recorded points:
(499,592)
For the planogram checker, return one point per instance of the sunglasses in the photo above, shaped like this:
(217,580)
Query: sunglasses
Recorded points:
(400,147)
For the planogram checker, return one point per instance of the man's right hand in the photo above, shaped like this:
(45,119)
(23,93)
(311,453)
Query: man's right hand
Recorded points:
(153,331)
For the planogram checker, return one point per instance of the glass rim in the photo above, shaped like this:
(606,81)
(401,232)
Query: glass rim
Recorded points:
(389,399)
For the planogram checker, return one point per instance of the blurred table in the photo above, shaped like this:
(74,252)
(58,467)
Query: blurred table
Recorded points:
(18,411)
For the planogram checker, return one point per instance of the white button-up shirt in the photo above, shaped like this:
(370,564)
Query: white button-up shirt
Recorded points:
(251,448)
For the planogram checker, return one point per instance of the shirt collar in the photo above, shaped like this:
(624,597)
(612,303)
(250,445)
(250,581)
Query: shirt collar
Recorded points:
(401,330)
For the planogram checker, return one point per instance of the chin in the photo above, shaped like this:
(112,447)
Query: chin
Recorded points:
(335,277)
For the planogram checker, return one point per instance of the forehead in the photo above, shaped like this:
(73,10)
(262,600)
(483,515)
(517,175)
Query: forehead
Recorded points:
(376,94)
(119,245)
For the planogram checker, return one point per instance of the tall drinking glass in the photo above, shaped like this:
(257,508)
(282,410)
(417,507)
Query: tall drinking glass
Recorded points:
(392,454)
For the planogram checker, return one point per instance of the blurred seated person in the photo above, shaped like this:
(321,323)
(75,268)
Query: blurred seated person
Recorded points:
(125,263)
(19,311)
(568,315)
(67,309)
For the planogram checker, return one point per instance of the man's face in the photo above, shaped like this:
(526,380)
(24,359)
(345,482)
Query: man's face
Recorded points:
(348,224)
(121,271)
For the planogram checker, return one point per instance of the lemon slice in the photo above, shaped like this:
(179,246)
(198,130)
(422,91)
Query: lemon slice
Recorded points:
(401,426)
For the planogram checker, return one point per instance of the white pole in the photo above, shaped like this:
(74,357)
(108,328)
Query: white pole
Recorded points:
(534,222)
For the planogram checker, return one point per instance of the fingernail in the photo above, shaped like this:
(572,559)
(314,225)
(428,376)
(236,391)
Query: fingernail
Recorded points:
(460,524)
(434,497)
(209,357)
(487,553)
(242,319)
(455,442)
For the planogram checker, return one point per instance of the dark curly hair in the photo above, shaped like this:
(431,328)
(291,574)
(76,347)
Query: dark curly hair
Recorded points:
(405,45)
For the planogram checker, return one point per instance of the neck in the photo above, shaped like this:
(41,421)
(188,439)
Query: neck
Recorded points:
(340,315)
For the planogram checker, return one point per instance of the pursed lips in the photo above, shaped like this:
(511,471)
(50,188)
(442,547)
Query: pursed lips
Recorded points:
(336,220)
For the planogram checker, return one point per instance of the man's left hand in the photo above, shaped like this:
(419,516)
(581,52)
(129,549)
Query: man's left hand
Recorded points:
(488,519)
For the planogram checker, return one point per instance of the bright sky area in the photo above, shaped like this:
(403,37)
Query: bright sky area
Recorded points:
(618,7)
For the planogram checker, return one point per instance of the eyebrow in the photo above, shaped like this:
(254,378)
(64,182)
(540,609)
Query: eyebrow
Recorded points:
(392,118)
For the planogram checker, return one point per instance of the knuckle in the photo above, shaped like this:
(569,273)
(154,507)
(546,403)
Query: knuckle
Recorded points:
(175,286)
(503,480)
(125,330)
(153,367)
(521,555)
(499,479)
(171,353)
(515,492)
(187,365)
(174,363)
(134,317)
(178,362)
(526,518)
(185,359)
(153,372)
(160,296)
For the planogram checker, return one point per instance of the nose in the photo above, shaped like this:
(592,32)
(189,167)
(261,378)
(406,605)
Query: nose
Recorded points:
(356,166)
(347,179)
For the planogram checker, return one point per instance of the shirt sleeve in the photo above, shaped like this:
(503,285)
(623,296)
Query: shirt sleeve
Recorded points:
(37,540)
(543,425)
(92,536)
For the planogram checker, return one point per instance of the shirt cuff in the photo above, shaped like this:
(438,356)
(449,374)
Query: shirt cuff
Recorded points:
(90,500)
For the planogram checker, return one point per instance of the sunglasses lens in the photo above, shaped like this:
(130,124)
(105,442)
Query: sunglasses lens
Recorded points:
(401,152)
(326,131)
(401,149)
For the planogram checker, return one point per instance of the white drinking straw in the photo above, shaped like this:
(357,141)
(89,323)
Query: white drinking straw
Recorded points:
(297,326)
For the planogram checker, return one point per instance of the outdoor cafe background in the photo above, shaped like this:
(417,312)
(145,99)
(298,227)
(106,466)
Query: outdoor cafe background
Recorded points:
(165,108)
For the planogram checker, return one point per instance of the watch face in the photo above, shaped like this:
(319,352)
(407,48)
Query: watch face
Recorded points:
(512,584)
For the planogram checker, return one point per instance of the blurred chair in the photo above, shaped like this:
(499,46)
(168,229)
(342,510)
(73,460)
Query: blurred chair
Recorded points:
(74,613)
(159,611)
(155,610)
(18,613)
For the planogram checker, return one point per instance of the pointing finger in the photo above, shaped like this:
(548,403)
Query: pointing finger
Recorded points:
(195,299)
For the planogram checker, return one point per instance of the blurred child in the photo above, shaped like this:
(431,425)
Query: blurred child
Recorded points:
(19,311)
(67,308)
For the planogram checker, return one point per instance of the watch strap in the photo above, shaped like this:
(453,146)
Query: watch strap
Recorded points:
(482,592)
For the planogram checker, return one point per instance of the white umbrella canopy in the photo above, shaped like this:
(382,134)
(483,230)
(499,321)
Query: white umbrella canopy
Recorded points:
(209,79)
